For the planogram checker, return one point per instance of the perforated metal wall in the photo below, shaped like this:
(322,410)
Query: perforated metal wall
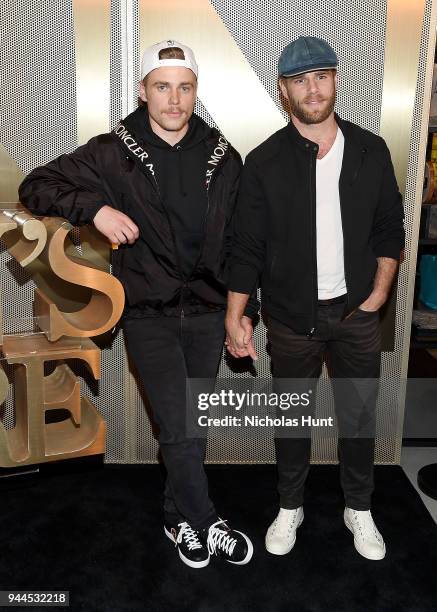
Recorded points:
(38,122)
(355,30)
(38,83)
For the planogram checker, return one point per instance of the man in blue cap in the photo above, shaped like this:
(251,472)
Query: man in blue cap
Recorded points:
(320,227)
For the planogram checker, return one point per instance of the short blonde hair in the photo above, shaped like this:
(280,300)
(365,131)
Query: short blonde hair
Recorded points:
(169,53)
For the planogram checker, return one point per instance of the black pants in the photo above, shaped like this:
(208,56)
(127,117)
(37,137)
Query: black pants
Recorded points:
(166,351)
(352,350)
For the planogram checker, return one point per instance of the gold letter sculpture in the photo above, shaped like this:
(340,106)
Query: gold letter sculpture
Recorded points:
(75,300)
(106,299)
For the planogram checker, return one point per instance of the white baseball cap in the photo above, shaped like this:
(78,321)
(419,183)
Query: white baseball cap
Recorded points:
(151,59)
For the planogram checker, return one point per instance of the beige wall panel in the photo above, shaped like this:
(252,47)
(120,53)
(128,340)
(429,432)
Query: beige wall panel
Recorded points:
(92,34)
(228,87)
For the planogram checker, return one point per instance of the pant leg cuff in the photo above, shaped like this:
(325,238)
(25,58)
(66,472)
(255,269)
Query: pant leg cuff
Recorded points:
(205,524)
(290,505)
(172,520)
(360,506)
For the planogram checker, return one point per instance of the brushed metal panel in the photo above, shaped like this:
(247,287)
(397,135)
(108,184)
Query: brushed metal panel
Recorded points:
(228,87)
(92,44)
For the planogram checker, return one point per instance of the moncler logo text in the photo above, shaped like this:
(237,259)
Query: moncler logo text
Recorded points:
(133,146)
(217,154)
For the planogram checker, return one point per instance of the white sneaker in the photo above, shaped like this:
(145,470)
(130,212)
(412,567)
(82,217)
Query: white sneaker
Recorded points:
(367,539)
(281,535)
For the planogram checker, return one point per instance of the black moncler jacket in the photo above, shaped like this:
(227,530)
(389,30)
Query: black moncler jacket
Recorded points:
(275,228)
(117,169)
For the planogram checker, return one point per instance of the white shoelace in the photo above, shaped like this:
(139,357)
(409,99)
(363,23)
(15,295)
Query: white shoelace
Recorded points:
(219,538)
(366,525)
(190,536)
(284,522)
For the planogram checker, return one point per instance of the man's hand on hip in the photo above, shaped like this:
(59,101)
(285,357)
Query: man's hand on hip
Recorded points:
(384,278)
(116,226)
(374,302)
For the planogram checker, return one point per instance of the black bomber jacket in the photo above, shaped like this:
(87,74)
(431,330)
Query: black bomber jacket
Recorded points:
(275,227)
(117,169)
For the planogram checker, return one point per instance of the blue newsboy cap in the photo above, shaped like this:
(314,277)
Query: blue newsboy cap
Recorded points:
(306,54)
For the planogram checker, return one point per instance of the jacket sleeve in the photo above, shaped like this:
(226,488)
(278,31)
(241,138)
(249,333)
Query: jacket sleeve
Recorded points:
(248,253)
(388,234)
(69,186)
(253,305)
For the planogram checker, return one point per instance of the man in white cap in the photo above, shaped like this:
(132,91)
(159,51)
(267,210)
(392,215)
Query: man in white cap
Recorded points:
(319,224)
(162,185)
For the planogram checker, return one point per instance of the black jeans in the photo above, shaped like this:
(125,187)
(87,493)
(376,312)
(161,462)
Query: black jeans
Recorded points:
(351,349)
(166,351)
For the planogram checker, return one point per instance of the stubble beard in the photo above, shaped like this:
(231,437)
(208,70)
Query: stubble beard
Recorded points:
(173,125)
(312,117)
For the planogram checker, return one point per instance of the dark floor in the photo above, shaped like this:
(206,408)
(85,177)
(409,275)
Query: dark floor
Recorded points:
(97,532)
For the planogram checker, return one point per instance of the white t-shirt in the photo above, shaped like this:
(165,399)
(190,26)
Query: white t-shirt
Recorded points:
(330,261)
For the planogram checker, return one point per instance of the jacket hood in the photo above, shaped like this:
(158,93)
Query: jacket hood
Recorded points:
(139,124)
(136,130)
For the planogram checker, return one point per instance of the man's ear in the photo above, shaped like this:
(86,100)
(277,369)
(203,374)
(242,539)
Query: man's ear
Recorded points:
(142,91)
(283,88)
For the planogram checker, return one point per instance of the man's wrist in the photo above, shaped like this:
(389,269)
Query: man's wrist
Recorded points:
(375,300)
(379,296)
(232,319)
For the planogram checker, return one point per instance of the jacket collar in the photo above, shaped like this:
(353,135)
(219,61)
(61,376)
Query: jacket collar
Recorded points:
(217,147)
(354,153)
(354,150)
(133,149)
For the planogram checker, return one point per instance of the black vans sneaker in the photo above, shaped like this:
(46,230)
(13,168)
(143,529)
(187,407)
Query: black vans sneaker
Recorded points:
(192,549)
(228,543)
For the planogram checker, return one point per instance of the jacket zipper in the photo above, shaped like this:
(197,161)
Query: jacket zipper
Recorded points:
(344,262)
(313,245)
(272,265)
(154,182)
(205,218)
(185,279)
(354,178)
